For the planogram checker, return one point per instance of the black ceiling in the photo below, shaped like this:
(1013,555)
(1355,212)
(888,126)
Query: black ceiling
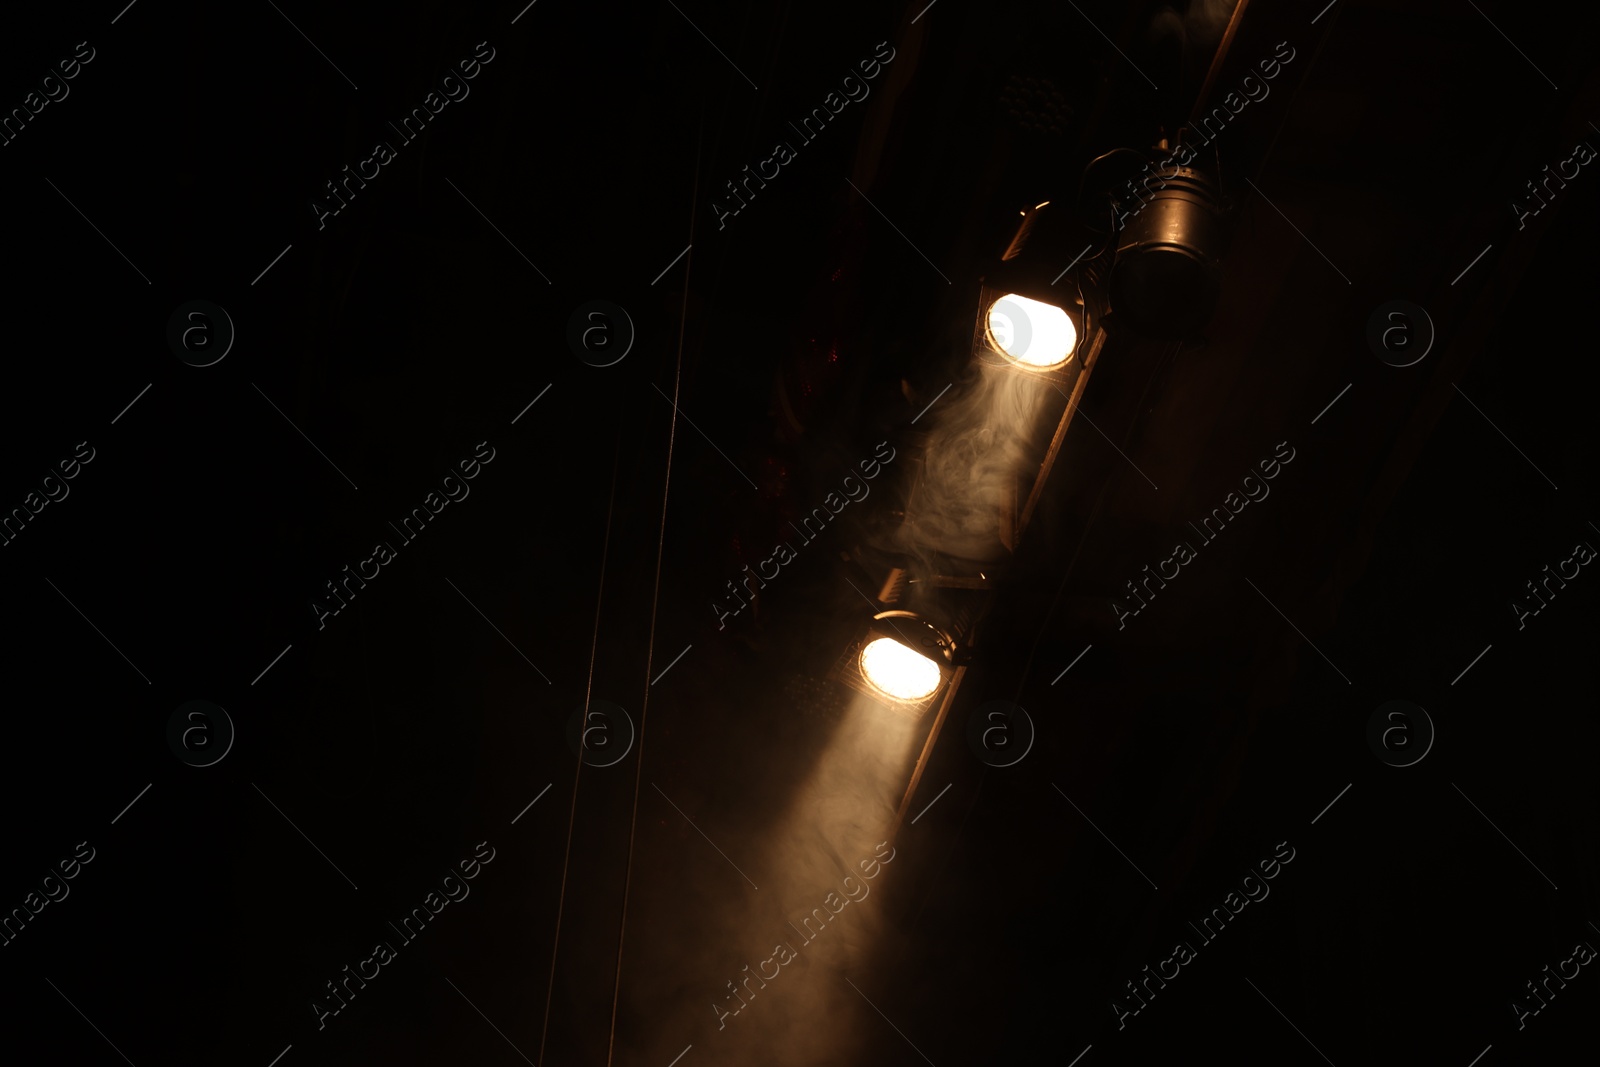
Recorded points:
(1388,160)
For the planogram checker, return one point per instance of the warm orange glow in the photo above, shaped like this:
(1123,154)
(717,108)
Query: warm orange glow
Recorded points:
(1030,332)
(897,671)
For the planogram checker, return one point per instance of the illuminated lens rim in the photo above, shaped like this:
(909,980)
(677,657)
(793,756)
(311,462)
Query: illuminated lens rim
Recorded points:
(1026,307)
(905,661)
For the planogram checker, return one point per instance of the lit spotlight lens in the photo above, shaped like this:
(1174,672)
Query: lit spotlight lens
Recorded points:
(1031,332)
(897,671)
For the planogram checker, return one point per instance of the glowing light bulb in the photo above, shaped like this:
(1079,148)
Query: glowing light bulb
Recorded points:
(1031,332)
(897,671)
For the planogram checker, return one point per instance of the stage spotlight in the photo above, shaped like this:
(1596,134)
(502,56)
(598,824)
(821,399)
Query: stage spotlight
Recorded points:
(1030,312)
(1168,273)
(1031,333)
(898,672)
(900,659)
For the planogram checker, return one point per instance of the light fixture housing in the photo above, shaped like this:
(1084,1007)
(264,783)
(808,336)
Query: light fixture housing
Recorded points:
(900,659)
(1167,277)
(1030,315)
(1017,332)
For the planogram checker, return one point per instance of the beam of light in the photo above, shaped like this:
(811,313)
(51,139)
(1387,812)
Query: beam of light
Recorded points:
(897,671)
(1031,332)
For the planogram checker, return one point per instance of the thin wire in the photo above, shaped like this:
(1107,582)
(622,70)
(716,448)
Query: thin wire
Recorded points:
(655,599)
(588,692)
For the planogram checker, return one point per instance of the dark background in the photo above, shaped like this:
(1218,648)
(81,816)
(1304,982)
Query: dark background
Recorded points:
(427,715)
